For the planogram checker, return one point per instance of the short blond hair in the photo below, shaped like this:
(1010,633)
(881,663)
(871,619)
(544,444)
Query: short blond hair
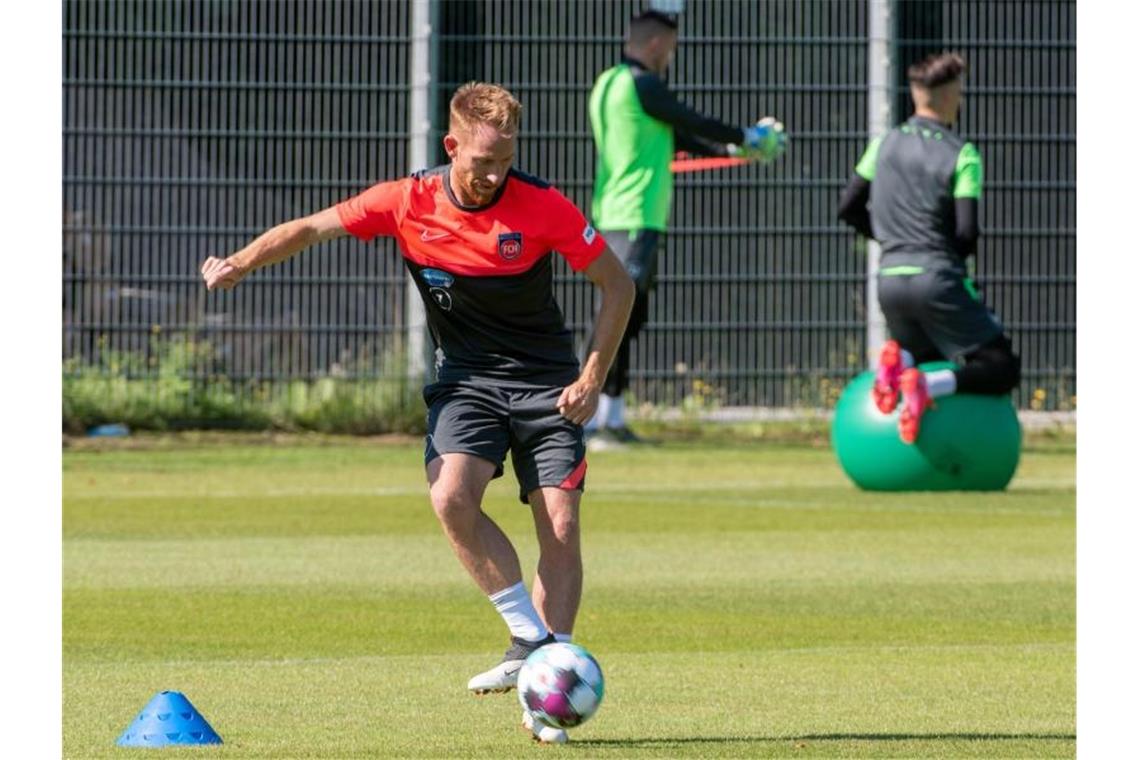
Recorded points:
(482,103)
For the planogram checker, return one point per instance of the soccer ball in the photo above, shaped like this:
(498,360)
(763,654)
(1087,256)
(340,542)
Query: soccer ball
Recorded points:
(561,685)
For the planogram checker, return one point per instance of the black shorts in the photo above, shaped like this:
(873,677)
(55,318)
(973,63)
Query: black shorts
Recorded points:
(934,313)
(485,420)
(637,251)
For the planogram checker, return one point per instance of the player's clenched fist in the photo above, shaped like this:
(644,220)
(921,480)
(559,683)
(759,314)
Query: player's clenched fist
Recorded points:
(220,273)
(578,402)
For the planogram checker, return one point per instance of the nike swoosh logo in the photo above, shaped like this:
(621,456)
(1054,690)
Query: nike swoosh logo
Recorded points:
(427,237)
(512,672)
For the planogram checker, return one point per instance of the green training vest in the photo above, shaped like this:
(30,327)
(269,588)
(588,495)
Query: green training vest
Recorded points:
(633,186)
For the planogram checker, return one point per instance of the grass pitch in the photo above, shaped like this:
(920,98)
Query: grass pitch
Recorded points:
(743,599)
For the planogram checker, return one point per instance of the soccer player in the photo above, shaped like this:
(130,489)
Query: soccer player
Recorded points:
(477,236)
(916,191)
(638,124)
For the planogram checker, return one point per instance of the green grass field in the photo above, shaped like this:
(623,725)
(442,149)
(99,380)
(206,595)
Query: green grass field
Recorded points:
(743,599)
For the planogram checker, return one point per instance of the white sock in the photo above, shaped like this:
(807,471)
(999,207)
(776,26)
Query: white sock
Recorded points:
(563,637)
(616,416)
(907,358)
(603,411)
(514,604)
(941,382)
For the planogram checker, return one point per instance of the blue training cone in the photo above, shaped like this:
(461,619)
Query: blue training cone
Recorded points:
(168,718)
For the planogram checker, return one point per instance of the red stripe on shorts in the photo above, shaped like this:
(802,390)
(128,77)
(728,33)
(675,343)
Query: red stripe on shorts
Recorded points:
(574,479)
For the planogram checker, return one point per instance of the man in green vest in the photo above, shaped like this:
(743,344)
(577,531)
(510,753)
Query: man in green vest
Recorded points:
(916,190)
(638,124)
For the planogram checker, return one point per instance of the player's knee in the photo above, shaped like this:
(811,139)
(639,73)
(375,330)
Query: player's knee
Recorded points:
(998,367)
(1005,364)
(455,508)
(1010,374)
(564,529)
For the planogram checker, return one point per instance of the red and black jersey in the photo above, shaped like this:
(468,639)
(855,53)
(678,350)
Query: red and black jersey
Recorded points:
(484,272)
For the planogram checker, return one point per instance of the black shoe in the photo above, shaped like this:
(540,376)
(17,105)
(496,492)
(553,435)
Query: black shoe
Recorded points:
(520,649)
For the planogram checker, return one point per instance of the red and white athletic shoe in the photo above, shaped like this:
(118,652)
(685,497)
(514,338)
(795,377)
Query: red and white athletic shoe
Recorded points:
(916,400)
(885,391)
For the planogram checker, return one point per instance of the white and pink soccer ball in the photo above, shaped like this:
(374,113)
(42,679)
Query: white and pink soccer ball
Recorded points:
(561,685)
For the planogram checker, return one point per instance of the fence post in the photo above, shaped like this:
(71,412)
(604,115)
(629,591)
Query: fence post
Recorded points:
(419,352)
(880,118)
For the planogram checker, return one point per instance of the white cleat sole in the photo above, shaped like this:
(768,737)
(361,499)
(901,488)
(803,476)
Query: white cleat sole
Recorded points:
(542,733)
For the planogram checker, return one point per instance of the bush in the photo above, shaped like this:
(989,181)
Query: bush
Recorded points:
(169,391)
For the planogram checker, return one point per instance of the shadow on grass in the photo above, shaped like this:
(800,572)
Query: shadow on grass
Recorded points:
(666,741)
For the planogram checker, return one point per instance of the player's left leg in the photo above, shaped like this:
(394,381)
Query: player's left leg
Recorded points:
(557,587)
(964,329)
(549,455)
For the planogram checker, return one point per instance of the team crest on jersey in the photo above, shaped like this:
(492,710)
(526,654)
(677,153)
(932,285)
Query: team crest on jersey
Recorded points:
(510,245)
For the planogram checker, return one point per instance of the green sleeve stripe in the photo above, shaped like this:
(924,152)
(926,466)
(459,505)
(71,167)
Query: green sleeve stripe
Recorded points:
(968,173)
(866,166)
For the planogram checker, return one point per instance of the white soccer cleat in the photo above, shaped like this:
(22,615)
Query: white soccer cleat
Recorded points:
(501,678)
(505,676)
(541,732)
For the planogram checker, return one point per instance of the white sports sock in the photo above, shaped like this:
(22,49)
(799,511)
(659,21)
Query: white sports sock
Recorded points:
(563,637)
(616,416)
(602,413)
(514,604)
(907,358)
(941,382)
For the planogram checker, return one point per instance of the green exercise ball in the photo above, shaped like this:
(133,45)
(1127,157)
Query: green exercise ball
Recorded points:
(966,442)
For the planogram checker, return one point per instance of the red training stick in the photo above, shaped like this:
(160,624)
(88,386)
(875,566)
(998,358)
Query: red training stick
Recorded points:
(681,165)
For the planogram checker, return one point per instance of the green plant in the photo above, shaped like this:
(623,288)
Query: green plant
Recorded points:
(171,389)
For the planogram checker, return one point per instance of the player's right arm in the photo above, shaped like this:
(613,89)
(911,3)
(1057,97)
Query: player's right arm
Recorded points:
(657,101)
(702,135)
(275,245)
(853,203)
(364,216)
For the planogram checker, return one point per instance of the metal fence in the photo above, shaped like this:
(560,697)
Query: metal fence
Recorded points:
(190,127)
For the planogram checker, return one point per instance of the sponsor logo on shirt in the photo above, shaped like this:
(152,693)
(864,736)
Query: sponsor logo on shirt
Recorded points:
(437,278)
(589,234)
(510,245)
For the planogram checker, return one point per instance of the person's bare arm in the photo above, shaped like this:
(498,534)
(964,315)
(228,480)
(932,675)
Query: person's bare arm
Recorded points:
(579,400)
(276,244)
